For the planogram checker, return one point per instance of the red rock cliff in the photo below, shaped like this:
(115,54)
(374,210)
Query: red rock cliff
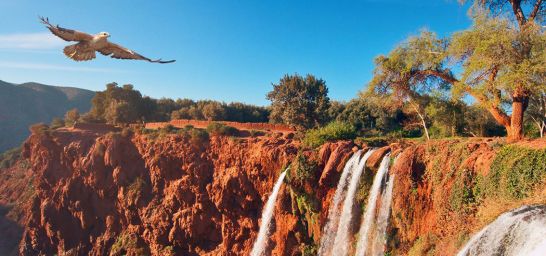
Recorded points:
(112,194)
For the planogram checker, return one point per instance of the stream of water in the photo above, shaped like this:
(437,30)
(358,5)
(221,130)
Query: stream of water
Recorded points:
(342,236)
(369,214)
(263,235)
(329,231)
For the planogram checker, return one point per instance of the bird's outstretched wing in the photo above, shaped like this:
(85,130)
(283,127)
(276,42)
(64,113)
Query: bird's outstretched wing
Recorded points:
(66,34)
(120,52)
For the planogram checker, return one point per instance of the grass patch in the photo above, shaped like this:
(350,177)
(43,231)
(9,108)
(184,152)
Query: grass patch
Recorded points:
(331,132)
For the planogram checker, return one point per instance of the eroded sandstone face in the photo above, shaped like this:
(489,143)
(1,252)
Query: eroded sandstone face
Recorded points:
(103,194)
(110,194)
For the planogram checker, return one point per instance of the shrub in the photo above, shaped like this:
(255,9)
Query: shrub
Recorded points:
(222,129)
(256,133)
(332,131)
(127,242)
(198,136)
(167,129)
(9,157)
(515,173)
(134,191)
(308,249)
(39,129)
(57,123)
(302,169)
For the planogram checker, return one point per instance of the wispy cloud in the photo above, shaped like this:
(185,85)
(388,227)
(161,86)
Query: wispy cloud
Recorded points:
(30,41)
(44,66)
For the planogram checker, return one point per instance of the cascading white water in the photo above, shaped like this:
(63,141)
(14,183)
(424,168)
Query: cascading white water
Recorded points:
(380,236)
(328,233)
(341,241)
(369,214)
(267,215)
(519,232)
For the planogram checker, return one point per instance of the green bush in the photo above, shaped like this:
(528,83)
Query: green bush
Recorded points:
(222,129)
(56,123)
(167,129)
(302,169)
(198,136)
(308,249)
(9,157)
(331,132)
(256,133)
(515,173)
(126,242)
(39,129)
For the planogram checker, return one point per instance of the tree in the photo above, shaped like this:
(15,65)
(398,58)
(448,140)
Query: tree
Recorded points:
(335,109)
(213,111)
(537,112)
(300,102)
(478,122)
(536,9)
(447,115)
(501,68)
(56,123)
(370,116)
(120,105)
(71,117)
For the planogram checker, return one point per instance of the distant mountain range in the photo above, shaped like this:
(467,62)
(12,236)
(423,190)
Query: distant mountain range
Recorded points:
(22,105)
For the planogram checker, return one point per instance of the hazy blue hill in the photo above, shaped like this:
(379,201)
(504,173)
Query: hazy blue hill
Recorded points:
(25,104)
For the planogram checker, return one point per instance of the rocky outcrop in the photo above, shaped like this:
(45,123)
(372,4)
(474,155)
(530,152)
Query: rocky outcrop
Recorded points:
(114,194)
(439,197)
(100,194)
(16,191)
(117,193)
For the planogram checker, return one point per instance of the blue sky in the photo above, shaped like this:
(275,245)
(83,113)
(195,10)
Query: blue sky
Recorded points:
(225,50)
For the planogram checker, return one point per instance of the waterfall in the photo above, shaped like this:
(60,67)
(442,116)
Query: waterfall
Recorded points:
(519,232)
(369,214)
(328,233)
(380,238)
(267,215)
(341,241)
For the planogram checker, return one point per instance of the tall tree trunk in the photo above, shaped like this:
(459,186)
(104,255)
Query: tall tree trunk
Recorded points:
(519,105)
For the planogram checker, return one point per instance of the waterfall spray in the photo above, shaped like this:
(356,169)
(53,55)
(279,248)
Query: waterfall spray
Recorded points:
(267,215)
(341,242)
(369,214)
(328,233)
(519,232)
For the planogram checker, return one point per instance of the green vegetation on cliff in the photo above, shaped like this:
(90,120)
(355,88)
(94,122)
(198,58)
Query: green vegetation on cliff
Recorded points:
(516,172)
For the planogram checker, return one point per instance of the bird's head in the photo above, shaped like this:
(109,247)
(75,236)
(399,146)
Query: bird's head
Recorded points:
(104,34)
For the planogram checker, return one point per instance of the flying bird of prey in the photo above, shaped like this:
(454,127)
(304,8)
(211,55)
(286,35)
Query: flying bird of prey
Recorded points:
(87,45)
